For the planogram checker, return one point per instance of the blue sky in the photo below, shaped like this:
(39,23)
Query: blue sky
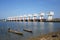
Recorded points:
(21,7)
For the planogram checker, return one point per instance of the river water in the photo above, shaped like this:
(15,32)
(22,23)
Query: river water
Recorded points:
(38,28)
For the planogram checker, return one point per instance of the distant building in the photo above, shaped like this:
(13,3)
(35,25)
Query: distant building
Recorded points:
(50,15)
(32,17)
(41,16)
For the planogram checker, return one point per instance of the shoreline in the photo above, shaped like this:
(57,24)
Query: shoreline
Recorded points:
(29,21)
(49,36)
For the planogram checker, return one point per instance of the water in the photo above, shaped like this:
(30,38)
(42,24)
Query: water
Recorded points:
(38,28)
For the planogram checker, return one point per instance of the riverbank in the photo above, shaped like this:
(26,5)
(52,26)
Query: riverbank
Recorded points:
(49,36)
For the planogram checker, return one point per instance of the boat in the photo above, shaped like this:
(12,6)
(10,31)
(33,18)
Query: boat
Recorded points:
(27,30)
(16,32)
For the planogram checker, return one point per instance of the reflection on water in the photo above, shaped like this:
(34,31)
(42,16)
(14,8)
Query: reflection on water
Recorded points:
(38,28)
(50,24)
(30,25)
(42,27)
(25,24)
(35,28)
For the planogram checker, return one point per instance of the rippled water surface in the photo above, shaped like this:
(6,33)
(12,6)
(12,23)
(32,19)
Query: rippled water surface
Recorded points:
(38,28)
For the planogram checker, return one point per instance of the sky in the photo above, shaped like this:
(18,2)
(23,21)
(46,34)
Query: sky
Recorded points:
(24,7)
